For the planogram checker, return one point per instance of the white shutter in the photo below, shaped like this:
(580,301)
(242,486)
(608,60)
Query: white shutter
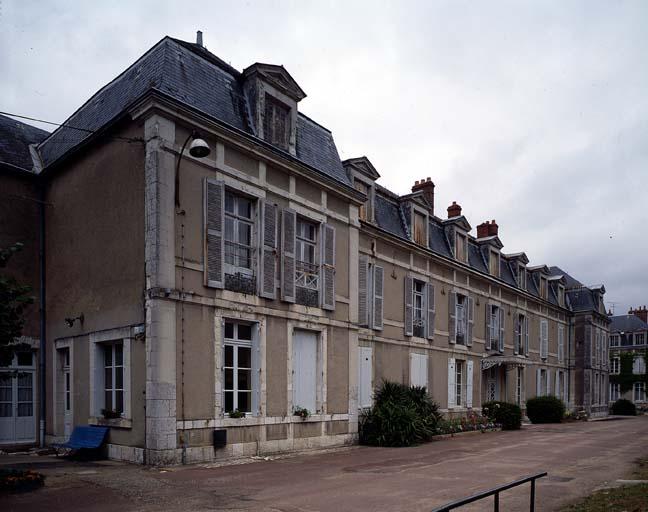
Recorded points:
(452,321)
(561,343)
(548,382)
(543,339)
(418,370)
(214,204)
(409,307)
(471,321)
(564,388)
(327,269)
(557,384)
(526,335)
(489,341)
(268,249)
(288,231)
(365,364)
(377,317)
(538,382)
(518,329)
(430,311)
(451,383)
(363,282)
(469,383)
(501,331)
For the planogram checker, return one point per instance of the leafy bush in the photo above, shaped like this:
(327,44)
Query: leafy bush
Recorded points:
(470,423)
(504,413)
(624,407)
(401,416)
(545,409)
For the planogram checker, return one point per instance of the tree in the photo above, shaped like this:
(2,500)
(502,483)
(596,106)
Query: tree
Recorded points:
(14,299)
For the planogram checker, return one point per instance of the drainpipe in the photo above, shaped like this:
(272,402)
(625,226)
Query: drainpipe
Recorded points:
(42,354)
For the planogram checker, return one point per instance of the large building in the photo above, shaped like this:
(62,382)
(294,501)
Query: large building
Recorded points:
(628,353)
(211,267)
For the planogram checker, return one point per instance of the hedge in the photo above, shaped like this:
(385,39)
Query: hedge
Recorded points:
(506,414)
(624,407)
(545,409)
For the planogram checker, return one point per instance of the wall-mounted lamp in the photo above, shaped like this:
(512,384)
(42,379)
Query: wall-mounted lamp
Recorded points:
(70,321)
(198,149)
(443,290)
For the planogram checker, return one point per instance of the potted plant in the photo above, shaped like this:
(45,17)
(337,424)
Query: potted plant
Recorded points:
(110,414)
(235,414)
(302,412)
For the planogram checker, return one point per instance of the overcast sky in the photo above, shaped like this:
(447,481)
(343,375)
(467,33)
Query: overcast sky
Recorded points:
(531,113)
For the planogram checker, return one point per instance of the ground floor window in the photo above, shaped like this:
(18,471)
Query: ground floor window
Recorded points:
(238,367)
(615,392)
(307,383)
(459,377)
(639,392)
(113,377)
(519,383)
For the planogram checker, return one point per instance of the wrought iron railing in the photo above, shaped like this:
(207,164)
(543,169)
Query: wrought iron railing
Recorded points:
(495,492)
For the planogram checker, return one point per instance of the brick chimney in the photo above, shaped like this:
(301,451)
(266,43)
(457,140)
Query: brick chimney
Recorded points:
(427,186)
(493,228)
(640,312)
(454,210)
(483,230)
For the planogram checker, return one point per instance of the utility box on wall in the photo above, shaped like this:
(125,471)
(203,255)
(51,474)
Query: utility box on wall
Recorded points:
(220,438)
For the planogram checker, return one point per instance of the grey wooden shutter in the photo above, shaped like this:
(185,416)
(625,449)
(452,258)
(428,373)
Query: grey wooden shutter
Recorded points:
(363,281)
(431,311)
(288,229)
(488,327)
(538,382)
(470,302)
(526,335)
(327,271)
(502,332)
(588,344)
(214,201)
(268,249)
(518,330)
(452,392)
(377,317)
(452,320)
(409,307)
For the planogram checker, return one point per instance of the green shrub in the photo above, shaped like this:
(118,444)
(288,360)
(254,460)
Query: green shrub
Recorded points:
(624,407)
(508,415)
(401,416)
(545,409)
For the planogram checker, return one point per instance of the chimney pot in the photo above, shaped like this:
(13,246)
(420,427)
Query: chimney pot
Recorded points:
(454,210)
(427,187)
(199,40)
(493,228)
(483,230)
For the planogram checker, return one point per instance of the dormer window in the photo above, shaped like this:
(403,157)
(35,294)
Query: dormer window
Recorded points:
(276,123)
(543,287)
(365,209)
(522,277)
(420,229)
(494,263)
(461,247)
(561,295)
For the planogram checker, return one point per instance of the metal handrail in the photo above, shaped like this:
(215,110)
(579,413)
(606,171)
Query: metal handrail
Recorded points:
(495,491)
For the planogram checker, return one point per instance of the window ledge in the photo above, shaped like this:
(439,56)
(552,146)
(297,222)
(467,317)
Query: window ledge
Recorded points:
(112,422)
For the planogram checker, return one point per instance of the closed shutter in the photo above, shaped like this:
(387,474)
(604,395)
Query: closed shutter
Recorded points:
(544,339)
(451,383)
(538,382)
(548,382)
(418,370)
(431,311)
(409,309)
(365,364)
(363,281)
(557,384)
(488,339)
(327,271)
(561,344)
(378,284)
(471,321)
(501,331)
(518,328)
(268,252)
(565,388)
(588,344)
(452,321)
(288,229)
(214,221)
(526,336)
(469,383)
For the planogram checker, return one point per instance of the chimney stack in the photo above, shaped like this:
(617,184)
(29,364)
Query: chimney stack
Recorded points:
(483,230)
(640,312)
(493,228)
(427,186)
(454,210)
(199,41)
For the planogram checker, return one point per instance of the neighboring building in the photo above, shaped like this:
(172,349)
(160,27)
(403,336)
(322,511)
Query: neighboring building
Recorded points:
(628,351)
(266,276)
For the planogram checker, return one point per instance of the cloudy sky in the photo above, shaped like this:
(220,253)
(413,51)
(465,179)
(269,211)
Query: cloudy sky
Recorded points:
(531,113)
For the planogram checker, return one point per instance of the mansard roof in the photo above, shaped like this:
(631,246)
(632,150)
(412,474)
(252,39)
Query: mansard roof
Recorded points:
(625,323)
(278,77)
(15,139)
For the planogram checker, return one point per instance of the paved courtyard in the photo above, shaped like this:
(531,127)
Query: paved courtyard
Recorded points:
(579,458)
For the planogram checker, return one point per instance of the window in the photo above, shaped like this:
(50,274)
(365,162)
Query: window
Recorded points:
(638,365)
(114,377)
(306,268)
(419,370)
(276,122)
(544,339)
(542,384)
(596,389)
(597,349)
(639,338)
(239,223)
(616,365)
(459,384)
(420,229)
(561,344)
(639,392)
(238,367)
(67,384)
(522,276)
(614,340)
(494,263)
(615,391)
(561,295)
(461,324)
(543,287)
(360,186)
(419,309)
(461,249)
(519,382)
(495,334)
(521,332)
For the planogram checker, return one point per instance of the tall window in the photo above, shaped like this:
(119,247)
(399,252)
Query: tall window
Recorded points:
(519,382)
(616,365)
(494,263)
(461,247)
(614,340)
(459,385)
(67,384)
(543,287)
(461,315)
(239,222)
(114,377)
(543,383)
(276,123)
(359,185)
(638,365)
(307,271)
(615,391)
(639,391)
(238,367)
(419,309)
(597,350)
(420,229)
(494,334)
(522,276)
(640,338)
(520,335)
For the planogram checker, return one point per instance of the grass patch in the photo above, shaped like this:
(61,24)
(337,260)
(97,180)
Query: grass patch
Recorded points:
(630,498)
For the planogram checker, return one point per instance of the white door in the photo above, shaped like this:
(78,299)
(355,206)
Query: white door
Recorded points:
(418,370)
(305,370)
(365,366)
(17,421)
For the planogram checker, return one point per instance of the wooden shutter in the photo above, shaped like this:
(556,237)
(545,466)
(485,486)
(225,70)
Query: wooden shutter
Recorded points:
(561,344)
(363,281)
(214,202)
(451,383)
(409,307)
(365,363)
(538,382)
(418,370)
(268,249)
(378,283)
(544,327)
(557,385)
(588,344)
(288,229)
(431,311)
(548,382)
(327,272)
(469,383)
(526,335)
(518,329)
(452,321)
(501,333)
(488,327)
(470,302)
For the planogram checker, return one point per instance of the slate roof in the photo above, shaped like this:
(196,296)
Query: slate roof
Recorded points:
(15,138)
(570,282)
(195,77)
(624,323)
(387,214)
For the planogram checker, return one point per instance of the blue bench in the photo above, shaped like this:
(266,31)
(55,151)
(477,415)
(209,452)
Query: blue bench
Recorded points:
(84,438)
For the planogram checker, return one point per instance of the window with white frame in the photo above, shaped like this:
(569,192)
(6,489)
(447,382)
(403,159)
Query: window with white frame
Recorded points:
(461,316)
(520,334)
(418,308)
(238,368)
(638,365)
(544,338)
(306,264)
(561,344)
(640,338)
(239,234)
(459,382)
(615,391)
(519,383)
(614,340)
(615,365)
(639,392)
(113,356)
(494,322)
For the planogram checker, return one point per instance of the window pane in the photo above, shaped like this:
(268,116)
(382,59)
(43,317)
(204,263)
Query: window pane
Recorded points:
(229,355)
(310,254)
(119,401)
(229,229)
(244,233)
(244,259)
(108,355)
(244,379)
(229,202)
(24,394)
(108,404)
(244,402)
(229,330)
(244,357)
(5,394)
(108,378)
(5,410)
(229,401)
(244,207)
(229,379)
(67,401)
(119,354)
(119,378)
(24,358)
(245,332)
(25,409)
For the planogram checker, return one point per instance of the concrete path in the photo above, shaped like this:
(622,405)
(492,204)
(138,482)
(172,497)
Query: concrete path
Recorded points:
(578,456)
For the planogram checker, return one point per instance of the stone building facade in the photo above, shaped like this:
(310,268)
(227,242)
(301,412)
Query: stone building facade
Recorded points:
(628,356)
(247,298)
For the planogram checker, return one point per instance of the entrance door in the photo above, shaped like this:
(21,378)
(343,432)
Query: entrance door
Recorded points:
(492,385)
(305,370)
(17,421)
(365,366)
